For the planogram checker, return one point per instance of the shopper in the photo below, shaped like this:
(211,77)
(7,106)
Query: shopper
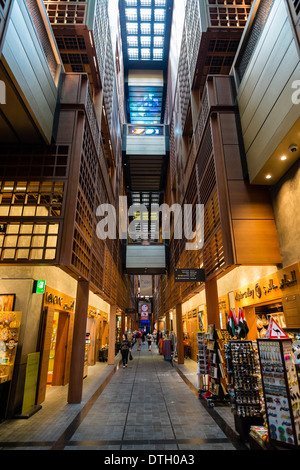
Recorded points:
(138,337)
(143,336)
(149,338)
(129,337)
(124,348)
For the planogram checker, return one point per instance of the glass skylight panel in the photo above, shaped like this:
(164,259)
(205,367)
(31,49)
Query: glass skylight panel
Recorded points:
(158,54)
(159,14)
(131,3)
(131,14)
(145,53)
(133,53)
(146,28)
(132,41)
(146,14)
(158,41)
(146,3)
(145,41)
(159,29)
(132,28)
(160,3)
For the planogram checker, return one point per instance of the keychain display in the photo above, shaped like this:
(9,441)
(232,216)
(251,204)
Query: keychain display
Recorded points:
(281,390)
(242,363)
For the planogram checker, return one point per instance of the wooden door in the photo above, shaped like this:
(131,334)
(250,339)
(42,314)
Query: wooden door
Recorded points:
(61,349)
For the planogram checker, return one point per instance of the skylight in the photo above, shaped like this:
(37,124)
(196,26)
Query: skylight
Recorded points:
(145,21)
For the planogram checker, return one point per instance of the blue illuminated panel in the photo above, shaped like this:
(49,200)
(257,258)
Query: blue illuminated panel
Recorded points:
(149,131)
(145,104)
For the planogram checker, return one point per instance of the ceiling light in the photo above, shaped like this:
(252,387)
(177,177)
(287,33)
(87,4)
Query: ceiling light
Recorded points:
(283,157)
(268,177)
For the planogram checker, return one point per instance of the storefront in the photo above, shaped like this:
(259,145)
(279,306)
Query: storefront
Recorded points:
(275,296)
(55,341)
(256,372)
(10,322)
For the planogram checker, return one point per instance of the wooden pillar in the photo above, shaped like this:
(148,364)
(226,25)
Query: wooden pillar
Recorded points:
(168,322)
(212,303)
(179,329)
(122,324)
(78,345)
(112,334)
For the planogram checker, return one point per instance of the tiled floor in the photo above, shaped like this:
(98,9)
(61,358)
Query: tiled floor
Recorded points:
(147,406)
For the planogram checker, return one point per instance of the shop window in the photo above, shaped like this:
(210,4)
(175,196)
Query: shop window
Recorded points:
(30,199)
(29,241)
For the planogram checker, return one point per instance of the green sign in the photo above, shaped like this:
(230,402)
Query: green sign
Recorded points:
(32,370)
(39,287)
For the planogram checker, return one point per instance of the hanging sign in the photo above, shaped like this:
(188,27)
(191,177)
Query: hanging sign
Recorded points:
(145,312)
(274,331)
(189,275)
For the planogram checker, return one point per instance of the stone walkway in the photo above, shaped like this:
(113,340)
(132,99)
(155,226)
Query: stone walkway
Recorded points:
(147,406)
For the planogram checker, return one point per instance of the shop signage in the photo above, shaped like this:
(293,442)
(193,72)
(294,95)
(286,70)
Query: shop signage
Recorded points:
(57,300)
(189,275)
(244,295)
(269,288)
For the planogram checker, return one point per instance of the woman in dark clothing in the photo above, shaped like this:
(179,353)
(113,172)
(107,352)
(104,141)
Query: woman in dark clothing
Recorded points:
(125,345)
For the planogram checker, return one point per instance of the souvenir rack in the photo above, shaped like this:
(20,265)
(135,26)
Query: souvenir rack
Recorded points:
(244,385)
(281,391)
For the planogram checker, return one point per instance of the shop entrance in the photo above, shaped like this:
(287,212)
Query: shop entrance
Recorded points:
(58,348)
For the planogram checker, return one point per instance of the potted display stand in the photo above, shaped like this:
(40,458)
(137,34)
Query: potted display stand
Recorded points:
(281,391)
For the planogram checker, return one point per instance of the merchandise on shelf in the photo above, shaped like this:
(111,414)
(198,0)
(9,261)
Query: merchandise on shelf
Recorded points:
(9,335)
(244,380)
(217,375)
(281,390)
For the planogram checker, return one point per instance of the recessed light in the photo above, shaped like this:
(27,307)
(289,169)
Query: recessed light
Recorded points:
(268,177)
(283,157)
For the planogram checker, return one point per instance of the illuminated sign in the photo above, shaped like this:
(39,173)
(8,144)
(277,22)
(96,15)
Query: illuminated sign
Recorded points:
(145,131)
(39,287)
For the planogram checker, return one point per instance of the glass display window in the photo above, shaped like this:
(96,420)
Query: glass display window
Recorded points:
(9,336)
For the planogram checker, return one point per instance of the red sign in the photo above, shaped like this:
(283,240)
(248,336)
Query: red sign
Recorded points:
(274,331)
(145,312)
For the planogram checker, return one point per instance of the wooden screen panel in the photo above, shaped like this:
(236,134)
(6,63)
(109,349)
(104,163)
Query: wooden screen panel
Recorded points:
(256,242)
(213,254)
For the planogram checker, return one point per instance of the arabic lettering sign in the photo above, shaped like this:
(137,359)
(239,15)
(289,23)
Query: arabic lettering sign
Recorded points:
(270,288)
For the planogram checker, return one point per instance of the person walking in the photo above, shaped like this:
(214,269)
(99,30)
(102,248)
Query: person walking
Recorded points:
(149,338)
(138,337)
(129,337)
(124,348)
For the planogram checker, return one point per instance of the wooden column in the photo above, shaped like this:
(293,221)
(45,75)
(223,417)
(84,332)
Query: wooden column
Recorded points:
(122,324)
(78,345)
(212,302)
(168,322)
(179,329)
(112,334)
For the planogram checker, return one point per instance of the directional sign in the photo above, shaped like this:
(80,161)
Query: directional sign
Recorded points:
(189,275)
(130,310)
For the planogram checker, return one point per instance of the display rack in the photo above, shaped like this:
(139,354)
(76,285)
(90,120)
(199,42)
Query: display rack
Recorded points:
(217,380)
(281,391)
(244,384)
(202,360)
